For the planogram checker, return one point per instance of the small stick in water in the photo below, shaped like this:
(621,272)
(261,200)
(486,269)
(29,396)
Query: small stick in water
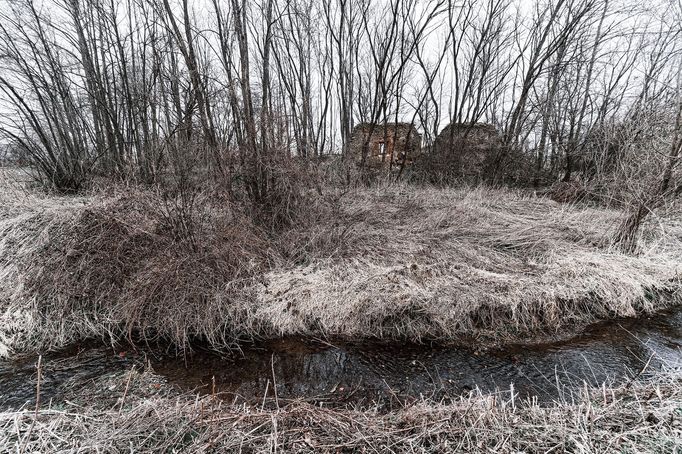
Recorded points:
(27,438)
(40,370)
(125,391)
(274,381)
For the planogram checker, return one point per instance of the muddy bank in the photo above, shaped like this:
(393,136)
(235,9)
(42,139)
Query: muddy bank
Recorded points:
(384,374)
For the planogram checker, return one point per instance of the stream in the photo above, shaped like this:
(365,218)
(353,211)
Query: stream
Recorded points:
(388,374)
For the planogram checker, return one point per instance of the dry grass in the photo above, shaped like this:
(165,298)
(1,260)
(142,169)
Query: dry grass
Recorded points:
(444,263)
(137,412)
(393,261)
(77,268)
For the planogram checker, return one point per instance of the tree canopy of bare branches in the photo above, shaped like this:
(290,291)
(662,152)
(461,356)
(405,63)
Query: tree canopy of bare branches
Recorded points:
(584,90)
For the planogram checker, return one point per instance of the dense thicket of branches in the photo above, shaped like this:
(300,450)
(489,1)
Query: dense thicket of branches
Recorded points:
(582,90)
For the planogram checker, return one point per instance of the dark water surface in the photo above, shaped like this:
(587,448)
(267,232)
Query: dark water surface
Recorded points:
(338,372)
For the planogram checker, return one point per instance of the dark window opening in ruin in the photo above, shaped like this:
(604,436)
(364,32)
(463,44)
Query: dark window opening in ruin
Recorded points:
(384,144)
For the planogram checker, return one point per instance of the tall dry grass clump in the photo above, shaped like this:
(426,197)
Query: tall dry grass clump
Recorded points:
(129,264)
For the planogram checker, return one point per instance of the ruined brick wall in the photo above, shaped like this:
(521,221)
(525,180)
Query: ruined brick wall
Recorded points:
(466,149)
(388,144)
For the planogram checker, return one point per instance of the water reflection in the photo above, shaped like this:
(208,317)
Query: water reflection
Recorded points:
(61,373)
(369,373)
(390,373)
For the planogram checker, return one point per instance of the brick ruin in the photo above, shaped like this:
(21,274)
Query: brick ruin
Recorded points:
(467,148)
(461,149)
(388,145)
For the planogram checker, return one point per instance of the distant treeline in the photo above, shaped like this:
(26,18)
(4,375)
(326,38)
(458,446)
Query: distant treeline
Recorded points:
(580,90)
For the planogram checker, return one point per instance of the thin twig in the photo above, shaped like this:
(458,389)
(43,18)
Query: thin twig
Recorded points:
(125,392)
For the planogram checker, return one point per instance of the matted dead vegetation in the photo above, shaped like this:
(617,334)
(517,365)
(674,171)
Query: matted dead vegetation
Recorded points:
(136,411)
(392,261)
(442,263)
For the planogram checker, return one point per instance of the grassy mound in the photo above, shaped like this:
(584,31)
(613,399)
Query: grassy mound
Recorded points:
(79,268)
(393,261)
(137,411)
